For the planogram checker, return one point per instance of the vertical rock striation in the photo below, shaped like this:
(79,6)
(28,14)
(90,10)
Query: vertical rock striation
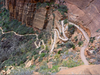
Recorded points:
(26,12)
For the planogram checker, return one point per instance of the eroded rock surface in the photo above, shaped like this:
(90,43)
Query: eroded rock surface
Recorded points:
(85,12)
(90,70)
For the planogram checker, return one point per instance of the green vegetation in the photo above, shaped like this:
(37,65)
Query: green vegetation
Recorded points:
(57,56)
(71,63)
(70,45)
(80,43)
(92,39)
(15,50)
(13,25)
(62,9)
(76,39)
(0,32)
(44,4)
(22,71)
(71,29)
(42,54)
(65,21)
(59,52)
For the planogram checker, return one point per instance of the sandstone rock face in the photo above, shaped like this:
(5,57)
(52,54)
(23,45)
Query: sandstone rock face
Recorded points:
(84,69)
(39,18)
(86,12)
(26,11)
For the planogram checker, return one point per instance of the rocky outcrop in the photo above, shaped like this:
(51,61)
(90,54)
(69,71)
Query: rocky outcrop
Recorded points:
(86,12)
(84,69)
(39,18)
(28,12)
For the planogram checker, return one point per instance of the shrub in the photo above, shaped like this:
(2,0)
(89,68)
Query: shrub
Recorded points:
(55,68)
(71,63)
(71,29)
(80,43)
(70,45)
(40,59)
(46,48)
(65,21)
(64,63)
(59,52)
(35,57)
(42,54)
(57,56)
(92,39)
(22,71)
(62,9)
(40,36)
(73,46)
(76,39)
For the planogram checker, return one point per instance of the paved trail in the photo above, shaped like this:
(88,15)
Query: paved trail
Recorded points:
(85,44)
(82,49)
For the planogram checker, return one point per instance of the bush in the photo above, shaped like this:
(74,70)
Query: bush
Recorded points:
(80,43)
(55,68)
(92,39)
(76,39)
(59,52)
(73,46)
(71,29)
(35,57)
(70,45)
(22,71)
(56,56)
(13,25)
(65,21)
(71,63)
(62,9)
(46,48)
(42,54)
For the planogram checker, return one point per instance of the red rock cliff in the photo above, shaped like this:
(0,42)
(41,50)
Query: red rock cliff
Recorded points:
(26,12)
(86,12)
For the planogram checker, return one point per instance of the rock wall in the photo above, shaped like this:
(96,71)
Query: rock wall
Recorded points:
(84,69)
(86,12)
(27,12)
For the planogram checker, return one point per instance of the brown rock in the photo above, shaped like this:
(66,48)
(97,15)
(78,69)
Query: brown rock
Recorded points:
(84,69)
(36,73)
(39,18)
(85,12)
(56,50)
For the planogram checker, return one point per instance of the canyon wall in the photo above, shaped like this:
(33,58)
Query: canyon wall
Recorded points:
(28,12)
(86,12)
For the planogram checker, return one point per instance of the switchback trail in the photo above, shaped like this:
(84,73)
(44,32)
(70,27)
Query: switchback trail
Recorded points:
(85,44)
